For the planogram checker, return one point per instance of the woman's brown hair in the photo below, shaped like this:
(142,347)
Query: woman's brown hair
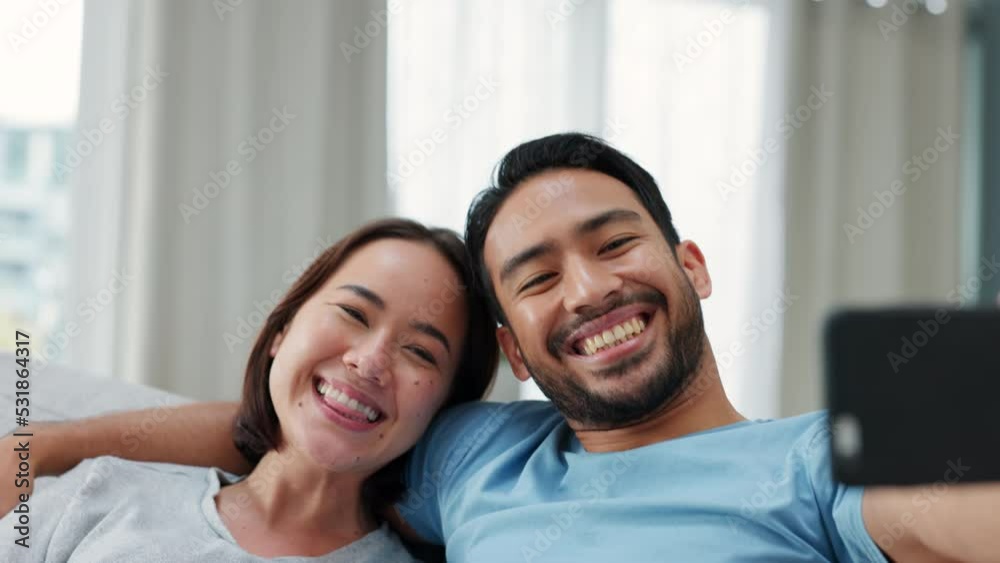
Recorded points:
(257,430)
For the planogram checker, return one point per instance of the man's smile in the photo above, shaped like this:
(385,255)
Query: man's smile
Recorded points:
(612,336)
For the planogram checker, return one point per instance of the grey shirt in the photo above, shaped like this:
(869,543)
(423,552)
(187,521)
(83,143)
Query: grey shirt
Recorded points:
(110,510)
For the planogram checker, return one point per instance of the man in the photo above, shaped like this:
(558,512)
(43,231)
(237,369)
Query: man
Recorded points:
(640,455)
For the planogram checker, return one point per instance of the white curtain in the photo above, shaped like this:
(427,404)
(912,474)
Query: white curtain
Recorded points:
(468,80)
(884,143)
(240,139)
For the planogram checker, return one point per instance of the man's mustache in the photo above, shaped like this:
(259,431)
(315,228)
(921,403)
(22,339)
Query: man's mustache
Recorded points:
(557,341)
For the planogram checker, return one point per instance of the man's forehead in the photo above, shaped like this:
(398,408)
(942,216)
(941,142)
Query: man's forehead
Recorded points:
(551,204)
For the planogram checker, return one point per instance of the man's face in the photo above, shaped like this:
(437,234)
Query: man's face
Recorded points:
(599,310)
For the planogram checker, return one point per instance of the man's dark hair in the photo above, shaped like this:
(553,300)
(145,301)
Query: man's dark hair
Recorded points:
(560,151)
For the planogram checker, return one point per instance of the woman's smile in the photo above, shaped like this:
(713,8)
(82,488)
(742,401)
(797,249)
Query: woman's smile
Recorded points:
(345,406)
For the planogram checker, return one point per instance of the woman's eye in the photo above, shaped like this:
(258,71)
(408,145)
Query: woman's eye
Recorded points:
(423,354)
(356,314)
(617,243)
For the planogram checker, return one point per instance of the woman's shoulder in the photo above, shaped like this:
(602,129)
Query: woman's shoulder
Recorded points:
(381,545)
(120,472)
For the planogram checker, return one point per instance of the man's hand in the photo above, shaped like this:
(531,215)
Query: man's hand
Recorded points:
(17,475)
(197,434)
(9,492)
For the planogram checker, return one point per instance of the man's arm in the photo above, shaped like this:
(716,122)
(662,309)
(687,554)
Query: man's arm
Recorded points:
(197,434)
(928,524)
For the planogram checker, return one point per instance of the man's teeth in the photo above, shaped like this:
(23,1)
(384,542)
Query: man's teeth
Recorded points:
(614,336)
(332,394)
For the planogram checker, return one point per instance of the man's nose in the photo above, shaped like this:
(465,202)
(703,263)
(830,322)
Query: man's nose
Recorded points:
(587,284)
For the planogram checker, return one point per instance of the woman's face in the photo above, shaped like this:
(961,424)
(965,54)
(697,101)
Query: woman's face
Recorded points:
(368,359)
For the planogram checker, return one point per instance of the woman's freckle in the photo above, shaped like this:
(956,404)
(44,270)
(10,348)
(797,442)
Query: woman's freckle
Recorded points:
(380,435)
(300,403)
(417,382)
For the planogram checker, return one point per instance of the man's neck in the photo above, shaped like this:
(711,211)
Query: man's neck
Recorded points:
(703,405)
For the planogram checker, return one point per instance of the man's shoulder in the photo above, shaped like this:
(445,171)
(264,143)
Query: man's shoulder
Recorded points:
(801,424)
(486,417)
(487,425)
(487,410)
(797,444)
(800,437)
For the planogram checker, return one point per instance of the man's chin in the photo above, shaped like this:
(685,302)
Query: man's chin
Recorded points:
(621,389)
(638,366)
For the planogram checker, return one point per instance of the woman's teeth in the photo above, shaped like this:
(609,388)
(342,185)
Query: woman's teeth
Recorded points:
(613,336)
(332,394)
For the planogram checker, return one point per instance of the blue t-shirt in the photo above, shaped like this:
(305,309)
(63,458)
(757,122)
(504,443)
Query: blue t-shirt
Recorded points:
(511,482)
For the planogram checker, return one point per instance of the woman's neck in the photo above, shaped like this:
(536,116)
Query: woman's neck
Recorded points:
(290,506)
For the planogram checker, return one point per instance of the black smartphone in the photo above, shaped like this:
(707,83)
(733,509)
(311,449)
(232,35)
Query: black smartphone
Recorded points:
(914,395)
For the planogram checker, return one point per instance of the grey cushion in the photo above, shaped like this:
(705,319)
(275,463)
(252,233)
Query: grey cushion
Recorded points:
(60,393)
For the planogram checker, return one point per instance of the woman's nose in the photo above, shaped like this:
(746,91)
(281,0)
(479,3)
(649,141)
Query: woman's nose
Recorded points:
(369,361)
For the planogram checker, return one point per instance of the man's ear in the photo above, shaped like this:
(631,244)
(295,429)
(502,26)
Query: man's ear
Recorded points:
(276,343)
(508,343)
(693,263)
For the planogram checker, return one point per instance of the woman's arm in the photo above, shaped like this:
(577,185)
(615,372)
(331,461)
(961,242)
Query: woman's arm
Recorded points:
(197,434)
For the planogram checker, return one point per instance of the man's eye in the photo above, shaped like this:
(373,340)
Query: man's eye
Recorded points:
(617,243)
(356,314)
(537,280)
(423,354)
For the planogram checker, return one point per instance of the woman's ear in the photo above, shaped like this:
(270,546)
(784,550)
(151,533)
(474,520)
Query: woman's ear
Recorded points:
(508,343)
(276,343)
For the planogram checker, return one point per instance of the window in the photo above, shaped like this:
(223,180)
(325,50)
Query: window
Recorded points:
(981,166)
(38,106)
(677,84)
(16,160)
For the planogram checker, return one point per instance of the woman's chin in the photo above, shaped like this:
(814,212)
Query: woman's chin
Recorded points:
(335,455)
(337,450)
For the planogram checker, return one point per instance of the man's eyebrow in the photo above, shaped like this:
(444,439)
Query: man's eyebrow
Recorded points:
(432,331)
(611,216)
(523,257)
(365,293)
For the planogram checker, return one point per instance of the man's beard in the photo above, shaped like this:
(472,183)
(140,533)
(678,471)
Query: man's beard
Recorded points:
(685,346)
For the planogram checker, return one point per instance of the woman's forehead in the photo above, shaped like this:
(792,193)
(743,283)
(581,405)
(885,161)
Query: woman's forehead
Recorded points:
(404,274)
(391,256)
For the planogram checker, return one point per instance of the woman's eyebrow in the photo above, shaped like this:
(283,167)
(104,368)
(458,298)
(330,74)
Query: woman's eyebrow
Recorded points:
(432,331)
(365,293)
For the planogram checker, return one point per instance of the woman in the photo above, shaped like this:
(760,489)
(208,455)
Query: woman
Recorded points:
(348,370)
